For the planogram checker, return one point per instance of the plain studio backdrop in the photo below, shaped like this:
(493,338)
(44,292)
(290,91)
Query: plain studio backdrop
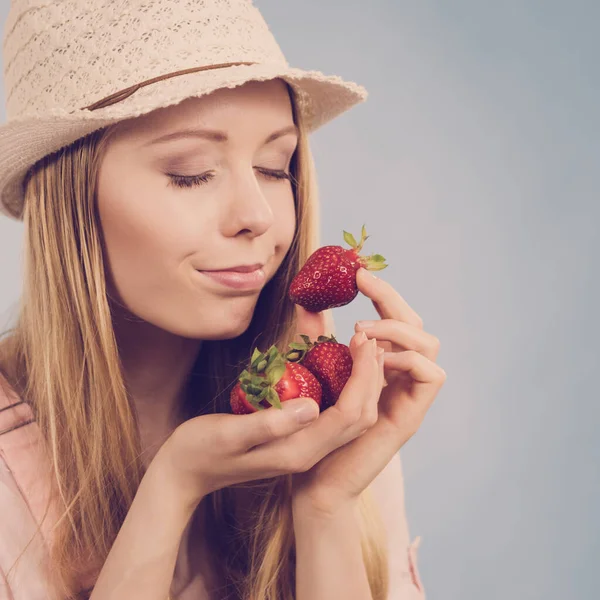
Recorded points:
(474,164)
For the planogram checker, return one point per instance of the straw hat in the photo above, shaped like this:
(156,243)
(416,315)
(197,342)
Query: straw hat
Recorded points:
(74,66)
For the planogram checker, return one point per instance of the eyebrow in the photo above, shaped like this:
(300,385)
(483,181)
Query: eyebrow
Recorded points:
(217,136)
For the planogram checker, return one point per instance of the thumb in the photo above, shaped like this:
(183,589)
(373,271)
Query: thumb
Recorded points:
(273,423)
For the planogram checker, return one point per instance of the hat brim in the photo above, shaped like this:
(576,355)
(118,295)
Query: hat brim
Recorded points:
(26,140)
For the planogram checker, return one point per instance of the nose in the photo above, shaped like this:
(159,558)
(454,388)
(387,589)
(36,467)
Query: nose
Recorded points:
(247,210)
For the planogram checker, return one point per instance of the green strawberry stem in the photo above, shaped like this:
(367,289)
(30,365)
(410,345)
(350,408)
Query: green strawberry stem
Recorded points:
(258,382)
(298,350)
(374,262)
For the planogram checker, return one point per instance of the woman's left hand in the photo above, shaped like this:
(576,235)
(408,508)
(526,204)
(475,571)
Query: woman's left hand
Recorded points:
(413,381)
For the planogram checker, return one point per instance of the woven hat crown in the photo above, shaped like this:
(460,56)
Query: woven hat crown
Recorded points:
(72,67)
(66,54)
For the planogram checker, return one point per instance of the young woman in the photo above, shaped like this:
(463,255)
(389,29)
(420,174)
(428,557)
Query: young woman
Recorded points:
(163,225)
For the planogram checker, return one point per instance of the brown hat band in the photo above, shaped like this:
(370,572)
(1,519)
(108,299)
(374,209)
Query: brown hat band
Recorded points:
(121,95)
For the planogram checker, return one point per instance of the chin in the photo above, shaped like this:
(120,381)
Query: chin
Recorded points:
(219,329)
(227,333)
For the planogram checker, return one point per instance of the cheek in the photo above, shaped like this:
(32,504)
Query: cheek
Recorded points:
(285,224)
(146,245)
(149,263)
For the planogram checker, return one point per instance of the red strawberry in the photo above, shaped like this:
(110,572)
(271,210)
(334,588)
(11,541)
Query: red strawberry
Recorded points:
(271,380)
(328,278)
(328,360)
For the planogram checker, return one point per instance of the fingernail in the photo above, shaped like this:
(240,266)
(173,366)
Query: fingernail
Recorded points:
(304,413)
(374,346)
(362,337)
(365,324)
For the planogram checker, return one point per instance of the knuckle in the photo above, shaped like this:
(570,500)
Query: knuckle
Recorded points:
(347,416)
(292,461)
(301,464)
(411,356)
(369,417)
(351,416)
(435,342)
(270,429)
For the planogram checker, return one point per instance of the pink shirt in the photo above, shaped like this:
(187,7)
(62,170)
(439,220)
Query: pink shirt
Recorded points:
(24,490)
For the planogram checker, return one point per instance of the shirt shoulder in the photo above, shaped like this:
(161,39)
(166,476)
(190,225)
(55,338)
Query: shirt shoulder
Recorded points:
(23,552)
(24,488)
(23,453)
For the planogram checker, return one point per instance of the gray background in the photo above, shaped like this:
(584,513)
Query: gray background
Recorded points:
(474,164)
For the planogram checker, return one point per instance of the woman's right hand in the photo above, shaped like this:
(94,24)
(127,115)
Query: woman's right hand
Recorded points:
(214,451)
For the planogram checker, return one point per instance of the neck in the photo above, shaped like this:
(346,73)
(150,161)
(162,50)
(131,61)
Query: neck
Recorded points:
(156,367)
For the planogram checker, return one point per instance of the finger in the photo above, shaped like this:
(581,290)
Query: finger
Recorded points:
(426,375)
(274,423)
(313,324)
(381,365)
(359,385)
(388,303)
(335,426)
(402,335)
(355,341)
(371,408)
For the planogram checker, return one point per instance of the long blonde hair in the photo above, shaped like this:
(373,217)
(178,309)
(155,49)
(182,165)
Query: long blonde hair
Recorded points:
(61,357)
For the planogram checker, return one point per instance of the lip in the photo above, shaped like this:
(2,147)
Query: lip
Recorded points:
(240,280)
(238,269)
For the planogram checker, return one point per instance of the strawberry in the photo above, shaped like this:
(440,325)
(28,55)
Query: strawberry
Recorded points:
(328,360)
(271,380)
(328,278)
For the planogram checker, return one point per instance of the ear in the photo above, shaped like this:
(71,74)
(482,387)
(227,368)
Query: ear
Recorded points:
(313,324)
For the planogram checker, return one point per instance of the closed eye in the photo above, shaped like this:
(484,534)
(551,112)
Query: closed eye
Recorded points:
(188,181)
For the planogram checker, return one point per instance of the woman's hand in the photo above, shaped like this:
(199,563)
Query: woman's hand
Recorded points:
(393,413)
(214,451)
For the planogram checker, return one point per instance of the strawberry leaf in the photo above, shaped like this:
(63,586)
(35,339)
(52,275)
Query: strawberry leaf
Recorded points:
(349,239)
(363,239)
(297,346)
(254,389)
(255,403)
(272,353)
(261,366)
(375,262)
(275,371)
(295,355)
(257,356)
(244,375)
(273,398)
(377,267)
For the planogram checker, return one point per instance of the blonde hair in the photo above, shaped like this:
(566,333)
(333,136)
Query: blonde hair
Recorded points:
(61,357)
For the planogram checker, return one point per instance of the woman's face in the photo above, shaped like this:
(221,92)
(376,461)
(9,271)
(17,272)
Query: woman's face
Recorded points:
(234,209)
